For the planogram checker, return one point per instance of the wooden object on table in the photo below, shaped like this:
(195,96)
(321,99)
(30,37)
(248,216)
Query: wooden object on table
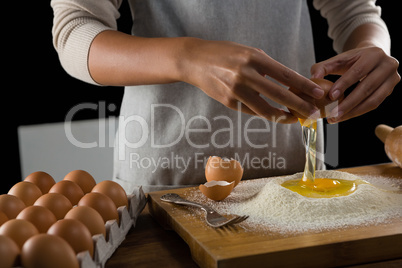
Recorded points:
(392,139)
(240,248)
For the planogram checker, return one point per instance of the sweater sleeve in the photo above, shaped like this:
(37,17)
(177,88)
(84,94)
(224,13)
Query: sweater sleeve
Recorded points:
(75,24)
(344,16)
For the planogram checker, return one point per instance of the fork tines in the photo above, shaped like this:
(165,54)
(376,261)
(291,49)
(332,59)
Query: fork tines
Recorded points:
(239,219)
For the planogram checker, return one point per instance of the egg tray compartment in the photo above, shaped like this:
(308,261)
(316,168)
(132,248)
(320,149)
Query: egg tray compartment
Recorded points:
(115,233)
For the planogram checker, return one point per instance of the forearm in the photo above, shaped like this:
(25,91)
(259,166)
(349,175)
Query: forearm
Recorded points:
(368,35)
(119,59)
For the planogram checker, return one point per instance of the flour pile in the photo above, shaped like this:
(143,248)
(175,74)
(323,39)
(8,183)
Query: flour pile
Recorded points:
(273,207)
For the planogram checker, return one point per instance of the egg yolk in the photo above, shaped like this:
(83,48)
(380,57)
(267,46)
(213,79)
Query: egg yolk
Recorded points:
(322,187)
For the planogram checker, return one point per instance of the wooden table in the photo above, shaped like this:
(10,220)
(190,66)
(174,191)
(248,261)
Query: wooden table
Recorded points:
(149,245)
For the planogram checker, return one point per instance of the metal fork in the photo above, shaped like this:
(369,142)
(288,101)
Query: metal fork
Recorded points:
(213,218)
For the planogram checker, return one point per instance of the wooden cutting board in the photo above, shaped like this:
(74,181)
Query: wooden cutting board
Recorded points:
(236,247)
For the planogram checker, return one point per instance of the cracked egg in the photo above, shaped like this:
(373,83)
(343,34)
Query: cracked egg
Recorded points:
(325,104)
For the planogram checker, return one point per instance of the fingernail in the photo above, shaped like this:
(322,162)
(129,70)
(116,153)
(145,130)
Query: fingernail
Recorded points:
(331,121)
(335,94)
(335,116)
(318,92)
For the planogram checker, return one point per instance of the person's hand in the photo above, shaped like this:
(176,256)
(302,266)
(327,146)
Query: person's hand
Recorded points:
(376,71)
(232,73)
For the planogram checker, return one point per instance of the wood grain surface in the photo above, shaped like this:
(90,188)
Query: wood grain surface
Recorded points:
(236,247)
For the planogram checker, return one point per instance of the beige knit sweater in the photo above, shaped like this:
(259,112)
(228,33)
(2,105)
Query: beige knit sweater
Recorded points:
(77,22)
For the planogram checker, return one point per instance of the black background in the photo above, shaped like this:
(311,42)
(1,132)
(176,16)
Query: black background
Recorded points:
(37,90)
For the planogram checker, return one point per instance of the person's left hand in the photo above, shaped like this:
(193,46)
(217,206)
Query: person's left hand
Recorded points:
(376,71)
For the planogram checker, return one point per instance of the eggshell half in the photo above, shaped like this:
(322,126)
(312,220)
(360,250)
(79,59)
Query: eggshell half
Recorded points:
(217,190)
(325,104)
(223,169)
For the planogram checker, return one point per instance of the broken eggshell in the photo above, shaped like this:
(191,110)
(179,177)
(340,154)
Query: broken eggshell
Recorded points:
(325,104)
(217,190)
(223,169)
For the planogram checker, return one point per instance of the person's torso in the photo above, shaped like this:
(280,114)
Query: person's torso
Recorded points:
(167,132)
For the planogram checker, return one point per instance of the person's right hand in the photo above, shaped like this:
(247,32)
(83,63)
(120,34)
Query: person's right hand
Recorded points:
(232,73)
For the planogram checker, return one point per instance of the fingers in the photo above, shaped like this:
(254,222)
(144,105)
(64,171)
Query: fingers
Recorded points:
(369,85)
(282,96)
(338,64)
(289,77)
(353,66)
(369,104)
(270,113)
(252,103)
(357,72)
(374,72)
(246,85)
(236,73)
(262,108)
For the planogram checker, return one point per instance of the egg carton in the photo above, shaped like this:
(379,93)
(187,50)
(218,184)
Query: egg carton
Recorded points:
(104,247)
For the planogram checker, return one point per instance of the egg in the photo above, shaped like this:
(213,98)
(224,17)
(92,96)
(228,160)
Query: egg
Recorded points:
(40,216)
(89,217)
(114,190)
(18,230)
(27,191)
(82,178)
(57,203)
(11,205)
(75,233)
(9,252)
(48,251)
(325,104)
(3,217)
(223,169)
(69,189)
(101,203)
(41,179)
(217,190)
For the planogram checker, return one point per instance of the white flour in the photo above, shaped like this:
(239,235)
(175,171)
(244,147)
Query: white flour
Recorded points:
(273,207)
